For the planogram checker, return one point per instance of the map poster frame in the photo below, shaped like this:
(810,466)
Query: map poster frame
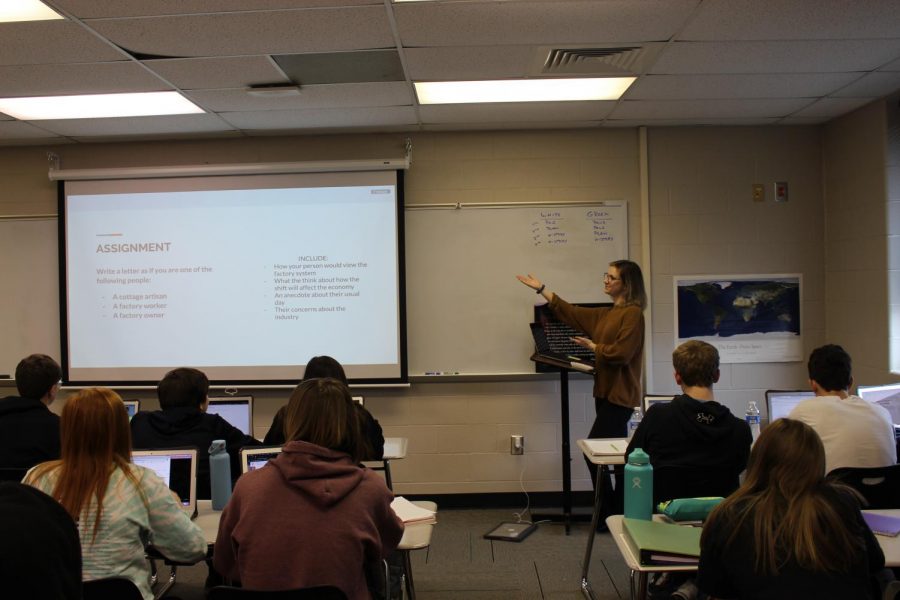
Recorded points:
(754,318)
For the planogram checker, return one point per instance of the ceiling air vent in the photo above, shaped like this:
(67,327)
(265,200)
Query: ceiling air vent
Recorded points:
(618,59)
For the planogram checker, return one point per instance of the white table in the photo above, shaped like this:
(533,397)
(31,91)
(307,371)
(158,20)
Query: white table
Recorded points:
(394,449)
(603,463)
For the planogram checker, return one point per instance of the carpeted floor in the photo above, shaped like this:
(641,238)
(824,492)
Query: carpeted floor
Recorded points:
(460,564)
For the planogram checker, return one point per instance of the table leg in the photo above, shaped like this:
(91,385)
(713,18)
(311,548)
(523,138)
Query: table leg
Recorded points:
(410,586)
(642,585)
(595,520)
(387,474)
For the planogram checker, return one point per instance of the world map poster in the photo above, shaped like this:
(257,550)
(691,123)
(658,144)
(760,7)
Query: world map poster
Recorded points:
(748,318)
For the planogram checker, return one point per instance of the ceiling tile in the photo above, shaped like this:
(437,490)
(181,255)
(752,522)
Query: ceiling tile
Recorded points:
(894,65)
(17,130)
(794,20)
(546,22)
(168,125)
(522,112)
(323,117)
(685,122)
(708,109)
(89,9)
(79,78)
(52,42)
(513,125)
(478,62)
(234,34)
(212,73)
(872,85)
(361,66)
(775,57)
(831,107)
(803,120)
(314,96)
(797,85)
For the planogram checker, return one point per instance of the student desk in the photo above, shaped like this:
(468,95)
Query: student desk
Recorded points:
(889,545)
(603,463)
(394,449)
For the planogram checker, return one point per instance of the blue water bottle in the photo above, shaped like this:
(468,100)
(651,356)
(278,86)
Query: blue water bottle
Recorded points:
(638,486)
(219,474)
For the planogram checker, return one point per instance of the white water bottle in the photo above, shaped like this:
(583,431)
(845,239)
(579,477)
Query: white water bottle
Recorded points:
(634,422)
(753,419)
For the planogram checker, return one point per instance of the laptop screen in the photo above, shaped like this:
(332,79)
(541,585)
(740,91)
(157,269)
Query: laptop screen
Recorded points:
(237,410)
(257,458)
(651,399)
(177,468)
(887,396)
(132,406)
(780,403)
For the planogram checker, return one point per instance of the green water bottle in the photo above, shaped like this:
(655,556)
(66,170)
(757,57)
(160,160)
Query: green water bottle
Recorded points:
(638,486)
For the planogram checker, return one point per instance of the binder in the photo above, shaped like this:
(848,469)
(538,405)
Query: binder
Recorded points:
(663,543)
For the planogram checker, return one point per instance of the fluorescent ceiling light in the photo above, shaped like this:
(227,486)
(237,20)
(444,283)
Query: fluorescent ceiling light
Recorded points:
(26,10)
(522,90)
(98,106)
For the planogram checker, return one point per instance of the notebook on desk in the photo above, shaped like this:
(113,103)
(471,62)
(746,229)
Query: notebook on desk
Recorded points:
(177,468)
(607,447)
(663,543)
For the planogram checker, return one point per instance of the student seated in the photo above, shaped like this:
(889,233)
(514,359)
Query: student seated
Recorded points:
(325,366)
(696,446)
(29,432)
(184,422)
(312,516)
(118,506)
(855,433)
(40,555)
(787,533)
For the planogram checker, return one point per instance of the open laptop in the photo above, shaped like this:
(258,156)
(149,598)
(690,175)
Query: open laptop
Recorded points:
(887,396)
(237,410)
(178,468)
(257,457)
(651,399)
(133,407)
(569,352)
(780,403)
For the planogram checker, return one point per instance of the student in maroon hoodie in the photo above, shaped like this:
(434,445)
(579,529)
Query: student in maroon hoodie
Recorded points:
(312,516)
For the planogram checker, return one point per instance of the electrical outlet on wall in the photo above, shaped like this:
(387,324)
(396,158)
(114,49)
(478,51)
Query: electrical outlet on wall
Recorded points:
(517,444)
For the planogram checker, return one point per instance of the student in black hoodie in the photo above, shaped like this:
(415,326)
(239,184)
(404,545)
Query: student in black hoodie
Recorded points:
(696,446)
(29,432)
(184,422)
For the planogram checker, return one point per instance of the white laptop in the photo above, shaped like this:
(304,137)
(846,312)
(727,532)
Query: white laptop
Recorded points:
(237,410)
(887,396)
(780,403)
(133,407)
(257,457)
(651,399)
(178,468)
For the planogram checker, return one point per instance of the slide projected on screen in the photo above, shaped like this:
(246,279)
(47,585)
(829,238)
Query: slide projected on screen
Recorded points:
(246,278)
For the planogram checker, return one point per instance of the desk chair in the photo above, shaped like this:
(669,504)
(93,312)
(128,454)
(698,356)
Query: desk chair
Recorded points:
(14,474)
(113,588)
(321,592)
(880,486)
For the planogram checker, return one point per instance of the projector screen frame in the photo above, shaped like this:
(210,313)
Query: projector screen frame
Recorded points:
(401,379)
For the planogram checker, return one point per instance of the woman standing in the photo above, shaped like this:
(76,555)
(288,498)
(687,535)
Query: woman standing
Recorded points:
(787,532)
(118,506)
(616,337)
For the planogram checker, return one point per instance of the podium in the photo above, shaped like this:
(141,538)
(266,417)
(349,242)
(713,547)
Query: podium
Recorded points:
(564,368)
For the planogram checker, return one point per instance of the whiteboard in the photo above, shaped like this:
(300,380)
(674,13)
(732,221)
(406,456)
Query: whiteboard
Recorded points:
(466,312)
(29,291)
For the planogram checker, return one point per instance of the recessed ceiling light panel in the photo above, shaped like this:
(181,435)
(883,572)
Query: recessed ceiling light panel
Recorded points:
(12,11)
(522,90)
(98,106)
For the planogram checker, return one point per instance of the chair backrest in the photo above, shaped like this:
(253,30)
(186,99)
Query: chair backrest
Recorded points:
(113,588)
(14,474)
(679,481)
(321,592)
(880,486)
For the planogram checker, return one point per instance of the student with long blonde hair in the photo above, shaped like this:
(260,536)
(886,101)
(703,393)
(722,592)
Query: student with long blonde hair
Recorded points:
(787,532)
(118,506)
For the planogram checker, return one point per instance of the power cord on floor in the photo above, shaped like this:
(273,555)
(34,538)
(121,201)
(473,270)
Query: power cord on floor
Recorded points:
(520,515)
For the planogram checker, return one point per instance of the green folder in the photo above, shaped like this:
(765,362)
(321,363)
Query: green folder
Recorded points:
(663,543)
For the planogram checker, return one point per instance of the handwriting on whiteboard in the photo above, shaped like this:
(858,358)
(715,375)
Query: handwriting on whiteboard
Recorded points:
(562,227)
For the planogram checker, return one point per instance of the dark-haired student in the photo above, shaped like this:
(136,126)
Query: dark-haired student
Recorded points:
(29,432)
(312,516)
(184,422)
(855,433)
(787,532)
(326,366)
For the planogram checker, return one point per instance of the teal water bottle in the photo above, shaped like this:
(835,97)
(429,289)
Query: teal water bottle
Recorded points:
(638,486)
(219,474)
